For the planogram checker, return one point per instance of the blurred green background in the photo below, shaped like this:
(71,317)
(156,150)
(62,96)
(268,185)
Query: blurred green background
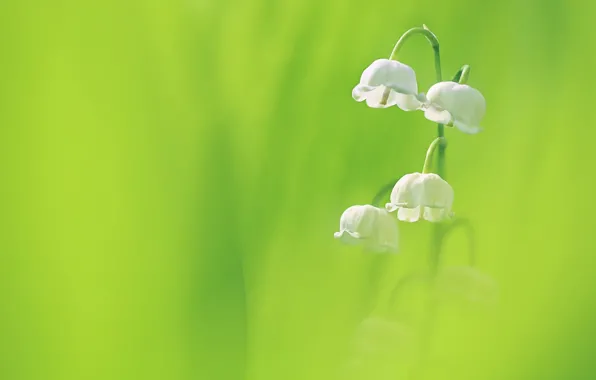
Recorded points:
(172,173)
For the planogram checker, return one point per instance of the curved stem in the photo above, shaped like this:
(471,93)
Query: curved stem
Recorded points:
(471,237)
(434,42)
(462,75)
(430,36)
(382,193)
(465,74)
(428,162)
(398,288)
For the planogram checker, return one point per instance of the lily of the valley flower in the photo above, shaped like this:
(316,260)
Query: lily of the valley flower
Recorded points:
(420,194)
(455,104)
(370,226)
(386,83)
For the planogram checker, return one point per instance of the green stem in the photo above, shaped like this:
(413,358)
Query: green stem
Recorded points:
(465,74)
(430,36)
(462,75)
(428,161)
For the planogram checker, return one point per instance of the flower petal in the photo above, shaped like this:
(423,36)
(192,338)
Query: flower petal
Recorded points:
(405,102)
(357,223)
(469,129)
(348,237)
(435,214)
(437,192)
(359,92)
(374,98)
(390,73)
(390,207)
(407,192)
(465,104)
(409,214)
(437,115)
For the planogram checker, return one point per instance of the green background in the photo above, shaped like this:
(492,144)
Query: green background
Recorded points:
(172,173)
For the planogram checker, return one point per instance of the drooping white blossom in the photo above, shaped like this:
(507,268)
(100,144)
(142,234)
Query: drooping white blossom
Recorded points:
(381,348)
(465,284)
(419,195)
(386,83)
(369,226)
(456,105)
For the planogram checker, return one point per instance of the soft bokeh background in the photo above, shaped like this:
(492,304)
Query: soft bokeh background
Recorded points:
(172,173)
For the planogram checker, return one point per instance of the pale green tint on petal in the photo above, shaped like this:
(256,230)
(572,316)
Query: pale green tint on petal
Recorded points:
(409,214)
(385,238)
(469,129)
(437,192)
(435,214)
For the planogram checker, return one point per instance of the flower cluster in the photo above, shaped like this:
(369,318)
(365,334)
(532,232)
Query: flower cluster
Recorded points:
(415,196)
(387,82)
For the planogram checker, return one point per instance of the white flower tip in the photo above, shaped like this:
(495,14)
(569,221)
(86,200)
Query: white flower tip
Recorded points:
(347,237)
(409,215)
(473,130)
(359,92)
(469,129)
(437,115)
(390,207)
(436,215)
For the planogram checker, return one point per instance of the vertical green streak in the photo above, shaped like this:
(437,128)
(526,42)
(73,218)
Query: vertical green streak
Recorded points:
(437,232)
(440,127)
(465,74)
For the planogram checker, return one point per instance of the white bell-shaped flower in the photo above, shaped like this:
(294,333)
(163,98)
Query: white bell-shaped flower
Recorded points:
(370,226)
(420,194)
(386,83)
(455,104)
